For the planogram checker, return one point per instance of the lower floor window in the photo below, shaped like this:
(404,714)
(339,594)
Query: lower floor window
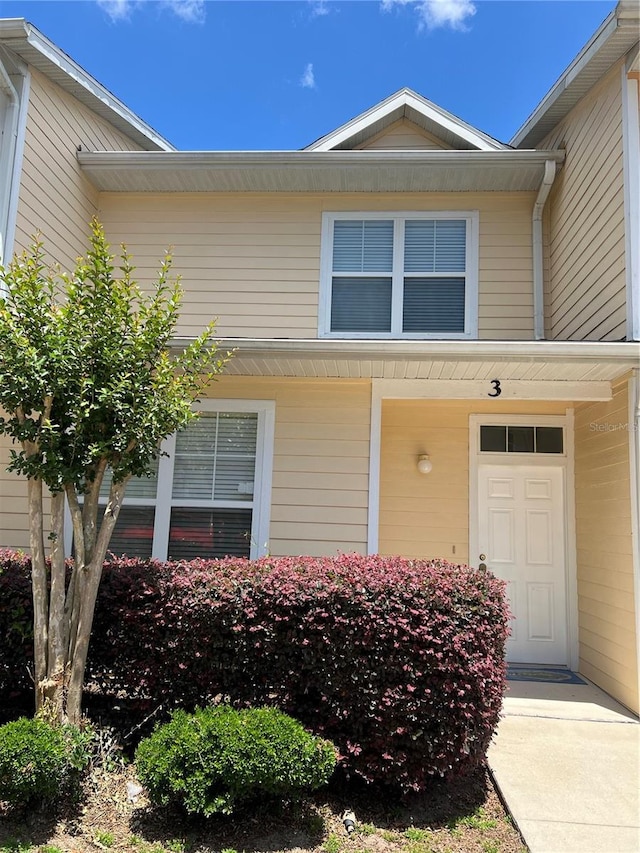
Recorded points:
(208,495)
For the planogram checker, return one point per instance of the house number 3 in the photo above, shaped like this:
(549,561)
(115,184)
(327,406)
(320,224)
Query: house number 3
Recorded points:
(497,390)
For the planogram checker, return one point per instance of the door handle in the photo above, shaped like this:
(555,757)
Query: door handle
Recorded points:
(483,566)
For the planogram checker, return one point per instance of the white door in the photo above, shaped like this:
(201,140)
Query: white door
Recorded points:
(521,537)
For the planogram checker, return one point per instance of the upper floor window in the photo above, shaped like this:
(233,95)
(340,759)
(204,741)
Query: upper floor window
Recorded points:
(399,275)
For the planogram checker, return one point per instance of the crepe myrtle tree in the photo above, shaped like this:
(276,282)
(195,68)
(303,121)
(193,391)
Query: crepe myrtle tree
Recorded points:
(87,382)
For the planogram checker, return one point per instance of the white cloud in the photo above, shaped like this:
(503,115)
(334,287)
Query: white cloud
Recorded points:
(319,8)
(438,13)
(189,10)
(117,10)
(308,80)
(192,11)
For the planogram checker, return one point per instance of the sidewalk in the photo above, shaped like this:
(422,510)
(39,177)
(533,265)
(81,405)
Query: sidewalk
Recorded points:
(566,759)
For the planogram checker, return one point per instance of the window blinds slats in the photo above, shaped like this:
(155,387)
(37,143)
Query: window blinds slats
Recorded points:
(363,246)
(215,458)
(209,533)
(433,305)
(435,245)
(430,302)
(137,487)
(361,304)
(133,533)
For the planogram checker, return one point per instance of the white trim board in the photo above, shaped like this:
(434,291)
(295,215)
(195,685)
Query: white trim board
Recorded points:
(482,389)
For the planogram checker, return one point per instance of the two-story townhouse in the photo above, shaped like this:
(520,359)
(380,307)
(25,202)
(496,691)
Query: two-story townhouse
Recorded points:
(433,333)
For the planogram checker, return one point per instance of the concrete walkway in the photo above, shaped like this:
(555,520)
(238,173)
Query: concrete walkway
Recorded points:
(566,759)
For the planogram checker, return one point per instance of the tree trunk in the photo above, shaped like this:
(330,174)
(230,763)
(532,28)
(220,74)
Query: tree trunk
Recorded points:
(38,588)
(86,594)
(56,652)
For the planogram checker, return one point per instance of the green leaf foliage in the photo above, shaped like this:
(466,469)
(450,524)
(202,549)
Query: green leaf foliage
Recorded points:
(38,760)
(86,371)
(211,761)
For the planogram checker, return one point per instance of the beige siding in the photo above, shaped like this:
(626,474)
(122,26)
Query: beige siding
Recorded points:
(428,516)
(14,519)
(403,134)
(604,547)
(586,298)
(320,473)
(55,199)
(321,461)
(253,261)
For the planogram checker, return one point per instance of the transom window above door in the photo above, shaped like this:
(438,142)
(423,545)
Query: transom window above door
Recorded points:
(399,275)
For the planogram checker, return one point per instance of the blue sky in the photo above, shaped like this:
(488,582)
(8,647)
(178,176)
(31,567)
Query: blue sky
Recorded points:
(277,75)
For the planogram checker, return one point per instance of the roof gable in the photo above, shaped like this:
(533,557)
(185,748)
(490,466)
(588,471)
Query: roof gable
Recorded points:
(406,104)
(403,135)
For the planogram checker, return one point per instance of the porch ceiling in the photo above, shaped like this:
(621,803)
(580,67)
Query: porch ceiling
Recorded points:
(539,361)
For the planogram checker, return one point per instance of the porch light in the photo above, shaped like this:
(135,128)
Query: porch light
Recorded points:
(424,463)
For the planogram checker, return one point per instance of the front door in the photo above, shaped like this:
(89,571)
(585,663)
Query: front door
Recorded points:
(521,537)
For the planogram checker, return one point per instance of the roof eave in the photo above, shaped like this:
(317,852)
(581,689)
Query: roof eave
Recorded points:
(28,42)
(614,38)
(548,369)
(306,171)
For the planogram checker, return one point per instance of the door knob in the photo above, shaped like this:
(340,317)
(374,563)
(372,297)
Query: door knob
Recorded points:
(483,556)
(482,565)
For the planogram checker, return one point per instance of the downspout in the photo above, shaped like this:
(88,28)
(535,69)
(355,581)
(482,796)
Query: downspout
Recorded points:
(538,251)
(7,155)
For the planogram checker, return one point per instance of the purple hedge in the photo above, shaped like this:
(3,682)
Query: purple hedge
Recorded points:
(399,662)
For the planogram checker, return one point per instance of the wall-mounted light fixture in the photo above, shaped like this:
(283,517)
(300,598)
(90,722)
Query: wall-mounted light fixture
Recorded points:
(424,463)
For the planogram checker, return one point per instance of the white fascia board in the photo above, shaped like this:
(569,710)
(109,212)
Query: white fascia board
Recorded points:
(406,98)
(195,159)
(622,23)
(625,353)
(19,30)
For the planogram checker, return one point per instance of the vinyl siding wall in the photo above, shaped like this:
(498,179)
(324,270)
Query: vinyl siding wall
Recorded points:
(14,518)
(606,592)
(403,134)
(428,516)
(586,297)
(253,261)
(321,461)
(55,199)
(320,470)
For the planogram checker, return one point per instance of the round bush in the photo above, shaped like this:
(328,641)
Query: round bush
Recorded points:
(212,760)
(33,760)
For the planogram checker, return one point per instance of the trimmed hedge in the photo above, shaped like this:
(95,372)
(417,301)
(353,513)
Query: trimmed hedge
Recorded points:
(39,761)
(399,662)
(218,758)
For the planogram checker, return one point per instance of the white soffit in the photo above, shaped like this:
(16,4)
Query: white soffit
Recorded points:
(312,171)
(38,52)
(614,39)
(563,366)
(423,113)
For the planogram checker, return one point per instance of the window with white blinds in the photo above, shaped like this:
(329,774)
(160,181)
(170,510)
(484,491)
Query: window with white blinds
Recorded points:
(399,275)
(208,494)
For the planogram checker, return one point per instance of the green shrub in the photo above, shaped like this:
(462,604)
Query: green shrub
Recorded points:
(38,760)
(216,758)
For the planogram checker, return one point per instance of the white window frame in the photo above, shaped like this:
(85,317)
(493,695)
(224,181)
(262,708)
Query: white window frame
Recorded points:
(260,504)
(399,218)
